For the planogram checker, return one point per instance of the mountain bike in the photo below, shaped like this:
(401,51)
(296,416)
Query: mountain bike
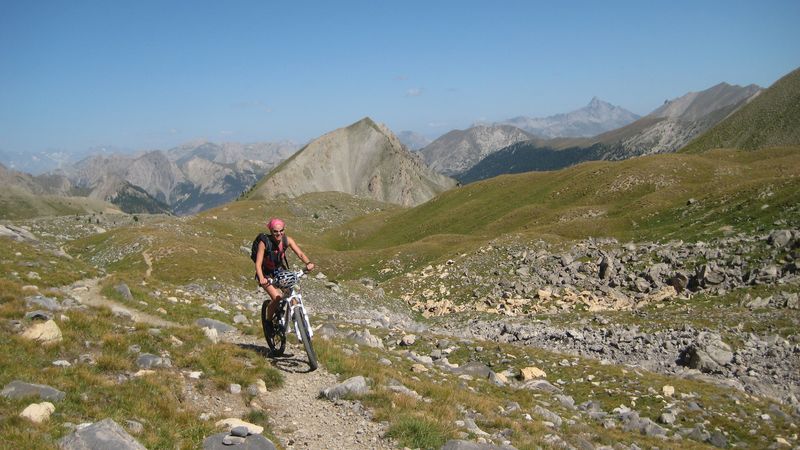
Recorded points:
(290,309)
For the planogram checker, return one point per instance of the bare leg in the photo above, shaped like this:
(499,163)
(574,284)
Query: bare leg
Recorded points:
(275,295)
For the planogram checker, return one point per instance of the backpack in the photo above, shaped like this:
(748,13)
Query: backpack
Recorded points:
(278,259)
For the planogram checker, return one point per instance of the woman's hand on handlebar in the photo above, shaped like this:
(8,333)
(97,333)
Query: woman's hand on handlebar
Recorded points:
(265,281)
(309,266)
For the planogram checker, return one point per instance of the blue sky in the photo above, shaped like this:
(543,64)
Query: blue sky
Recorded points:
(154,74)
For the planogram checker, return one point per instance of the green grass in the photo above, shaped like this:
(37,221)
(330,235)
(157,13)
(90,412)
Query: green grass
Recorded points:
(417,432)
(105,388)
(29,265)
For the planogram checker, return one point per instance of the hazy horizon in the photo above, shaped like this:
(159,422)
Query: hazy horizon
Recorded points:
(152,75)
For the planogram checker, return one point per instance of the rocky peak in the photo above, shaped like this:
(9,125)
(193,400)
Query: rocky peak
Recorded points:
(364,159)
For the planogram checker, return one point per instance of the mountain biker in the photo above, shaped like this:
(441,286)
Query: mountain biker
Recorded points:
(268,265)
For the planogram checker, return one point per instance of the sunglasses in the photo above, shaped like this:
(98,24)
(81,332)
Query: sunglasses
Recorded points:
(277,231)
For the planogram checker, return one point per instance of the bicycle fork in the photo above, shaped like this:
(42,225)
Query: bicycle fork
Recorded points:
(290,316)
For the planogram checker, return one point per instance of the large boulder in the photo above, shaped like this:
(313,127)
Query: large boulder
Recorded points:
(221,327)
(221,441)
(103,434)
(707,354)
(20,389)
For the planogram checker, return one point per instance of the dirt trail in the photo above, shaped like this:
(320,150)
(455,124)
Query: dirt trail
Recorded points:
(149,261)
(302,420)
(87,292)
(299,418)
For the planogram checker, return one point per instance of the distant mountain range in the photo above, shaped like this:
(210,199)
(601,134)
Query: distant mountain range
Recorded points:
(666,129)
(364,159)
(184,180)
(595,118)
(459,150)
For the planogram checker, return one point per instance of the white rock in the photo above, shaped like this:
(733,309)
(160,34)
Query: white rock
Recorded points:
(38,412)
(46,333)
(230,423)
(211,334)
(668,391)
(262,386)
(532,372)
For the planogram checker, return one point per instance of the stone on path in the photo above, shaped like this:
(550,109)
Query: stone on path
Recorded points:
(103,434)
(351,386)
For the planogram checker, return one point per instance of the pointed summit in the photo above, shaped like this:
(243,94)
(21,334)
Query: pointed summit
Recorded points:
(597,117)
(364,159)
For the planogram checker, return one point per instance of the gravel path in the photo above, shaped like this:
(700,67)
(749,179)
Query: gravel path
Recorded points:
(87,292)
(302,420)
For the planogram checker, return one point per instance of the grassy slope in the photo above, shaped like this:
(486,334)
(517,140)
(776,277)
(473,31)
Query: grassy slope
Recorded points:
(638,199)
(771,119)
(641,198)
(16,205)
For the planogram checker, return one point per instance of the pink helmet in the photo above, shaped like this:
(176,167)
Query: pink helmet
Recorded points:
(275,224)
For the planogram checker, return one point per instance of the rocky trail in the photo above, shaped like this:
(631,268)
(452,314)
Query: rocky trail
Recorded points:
(302,418)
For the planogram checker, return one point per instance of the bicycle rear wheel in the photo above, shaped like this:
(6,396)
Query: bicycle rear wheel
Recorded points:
(305,336)
(273,332)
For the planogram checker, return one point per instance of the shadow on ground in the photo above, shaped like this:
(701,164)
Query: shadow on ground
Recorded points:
(287,362)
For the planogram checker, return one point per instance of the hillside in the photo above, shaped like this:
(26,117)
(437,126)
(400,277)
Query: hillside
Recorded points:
(606,198)
(770,120)
(459,150)
(364,159)
(25,196)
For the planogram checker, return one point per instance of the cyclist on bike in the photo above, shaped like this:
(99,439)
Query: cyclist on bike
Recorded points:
(269,262)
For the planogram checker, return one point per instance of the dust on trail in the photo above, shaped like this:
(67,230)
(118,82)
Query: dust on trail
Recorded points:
(87,292)
(302,420)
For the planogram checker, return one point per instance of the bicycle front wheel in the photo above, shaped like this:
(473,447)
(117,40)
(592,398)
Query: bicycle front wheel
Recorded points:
(305,336)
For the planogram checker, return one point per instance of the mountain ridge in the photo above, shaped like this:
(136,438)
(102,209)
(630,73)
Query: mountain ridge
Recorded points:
(364,159)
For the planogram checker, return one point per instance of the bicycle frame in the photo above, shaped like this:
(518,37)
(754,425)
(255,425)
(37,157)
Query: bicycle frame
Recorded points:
(288,305)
